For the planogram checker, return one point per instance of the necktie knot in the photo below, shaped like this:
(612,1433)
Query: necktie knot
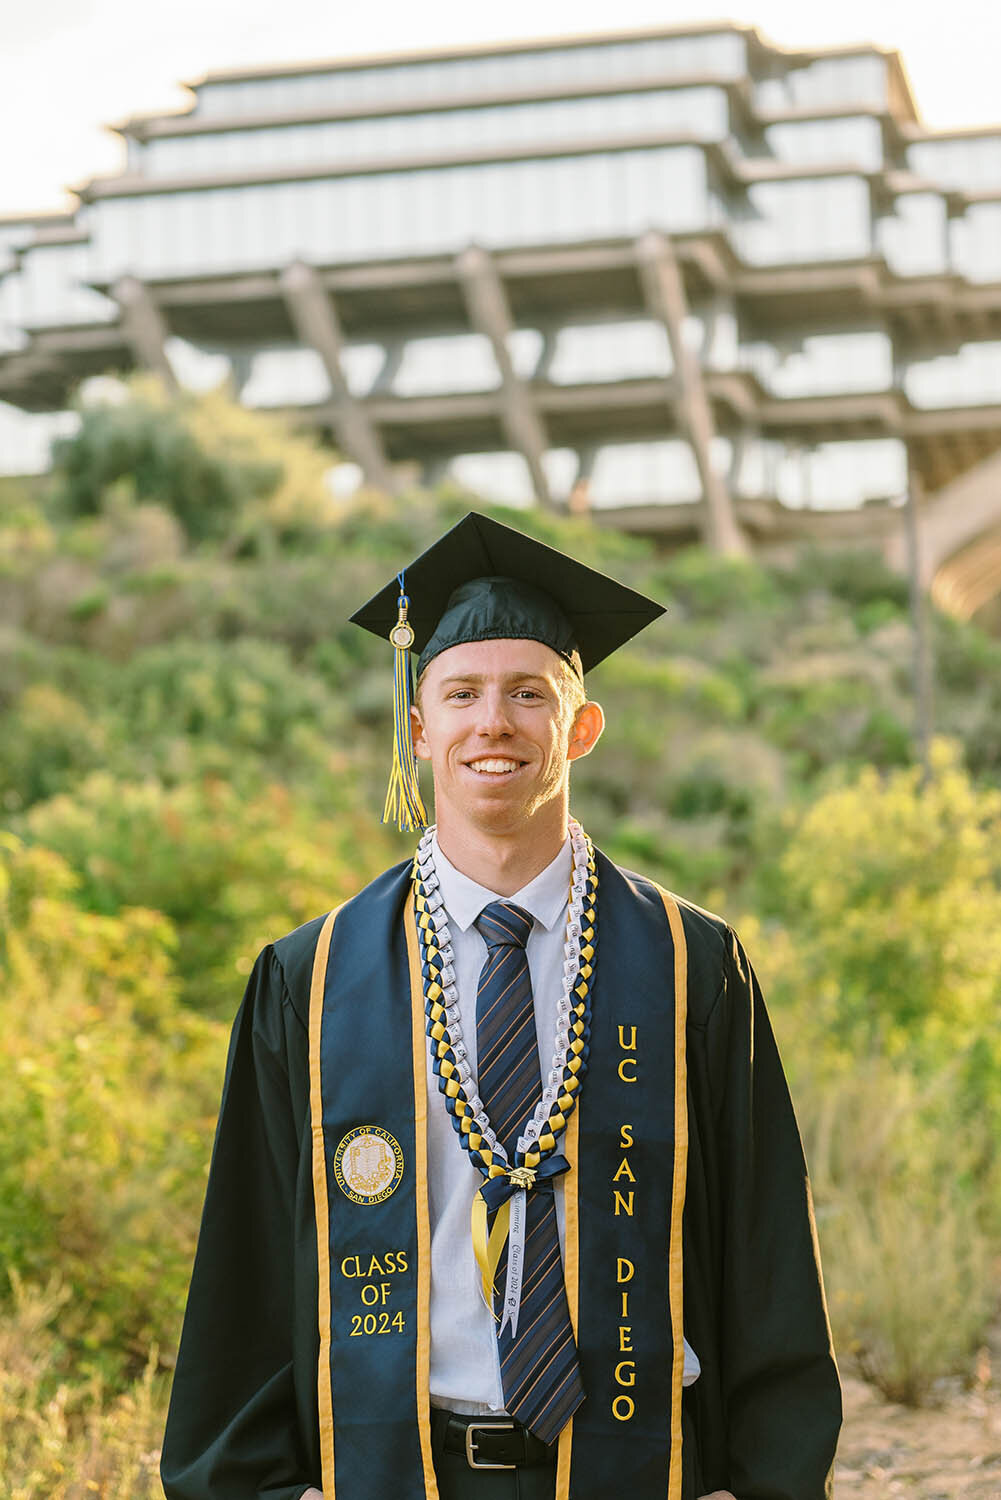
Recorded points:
(504,925)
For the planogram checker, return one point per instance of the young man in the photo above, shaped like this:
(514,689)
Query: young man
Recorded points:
(507,1199)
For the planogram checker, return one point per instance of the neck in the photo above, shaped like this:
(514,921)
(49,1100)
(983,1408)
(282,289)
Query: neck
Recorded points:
(504,862)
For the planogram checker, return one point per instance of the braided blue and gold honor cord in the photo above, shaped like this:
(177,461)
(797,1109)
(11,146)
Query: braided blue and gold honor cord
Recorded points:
(539,1162)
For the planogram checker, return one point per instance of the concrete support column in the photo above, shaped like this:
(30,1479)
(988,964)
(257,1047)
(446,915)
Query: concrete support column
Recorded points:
(315,320)
(664,294)
(924,711)
(145,329)
(489,313)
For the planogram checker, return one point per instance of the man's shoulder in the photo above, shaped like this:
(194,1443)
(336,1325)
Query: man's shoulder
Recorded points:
(296,950)
(708,937)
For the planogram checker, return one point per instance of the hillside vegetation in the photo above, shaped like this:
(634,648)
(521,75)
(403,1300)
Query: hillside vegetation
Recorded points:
(193,752)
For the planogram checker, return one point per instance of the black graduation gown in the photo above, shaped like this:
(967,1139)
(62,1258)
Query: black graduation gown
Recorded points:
(762,1419)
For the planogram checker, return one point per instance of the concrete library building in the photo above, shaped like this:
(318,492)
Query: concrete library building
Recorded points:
(686,280)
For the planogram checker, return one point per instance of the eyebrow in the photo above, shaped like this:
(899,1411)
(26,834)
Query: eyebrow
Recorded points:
(480,677)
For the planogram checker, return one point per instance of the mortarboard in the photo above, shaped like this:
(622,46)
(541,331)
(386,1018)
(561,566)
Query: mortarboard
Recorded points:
(485,581)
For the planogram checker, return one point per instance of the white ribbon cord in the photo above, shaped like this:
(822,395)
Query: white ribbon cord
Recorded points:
(515,1263)
(553,1082)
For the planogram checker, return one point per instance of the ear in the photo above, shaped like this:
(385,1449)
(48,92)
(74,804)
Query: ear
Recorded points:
(586,731)
(422,749)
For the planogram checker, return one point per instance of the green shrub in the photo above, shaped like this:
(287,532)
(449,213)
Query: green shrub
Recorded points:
(106,1114)
(212,464)
(232,865)
(893,890)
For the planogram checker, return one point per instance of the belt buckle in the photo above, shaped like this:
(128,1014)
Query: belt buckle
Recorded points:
(471,1446)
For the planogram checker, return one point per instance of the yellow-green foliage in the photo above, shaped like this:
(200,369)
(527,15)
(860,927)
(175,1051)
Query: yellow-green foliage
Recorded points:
(886,980)
(219,467)
(897,893)
(106,1113)
(232,868)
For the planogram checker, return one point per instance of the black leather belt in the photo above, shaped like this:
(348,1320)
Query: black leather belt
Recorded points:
(492,1442)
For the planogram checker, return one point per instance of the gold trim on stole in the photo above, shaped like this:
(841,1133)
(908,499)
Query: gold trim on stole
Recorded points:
(675,1255)
(571,1276)
(325,1399)
(421,1196)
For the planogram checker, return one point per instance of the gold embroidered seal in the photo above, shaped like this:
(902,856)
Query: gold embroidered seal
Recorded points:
(368,1164)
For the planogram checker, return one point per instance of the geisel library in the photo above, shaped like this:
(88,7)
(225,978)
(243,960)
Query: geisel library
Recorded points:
(689,280)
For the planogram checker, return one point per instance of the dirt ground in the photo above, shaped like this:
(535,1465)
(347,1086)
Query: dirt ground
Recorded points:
(947,1452)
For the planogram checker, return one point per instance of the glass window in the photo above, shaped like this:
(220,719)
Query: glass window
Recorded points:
(13,237)
(463,362)
(837,476)
(703,112)
(651,473)
(362,365)
(823,364)
(976,242)
(196,368)
(913,237)
(621,350)
(525,346)
(826,218)
(286,377)
(49,289)
(859,79)
(970,377)
(433,210)
(717,54)
(857,141)
(719,343)
(11,339)
(502,477)
(561,466)
(971,163)
(26,437)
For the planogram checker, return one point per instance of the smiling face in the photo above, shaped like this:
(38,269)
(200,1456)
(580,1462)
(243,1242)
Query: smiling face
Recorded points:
(499,725)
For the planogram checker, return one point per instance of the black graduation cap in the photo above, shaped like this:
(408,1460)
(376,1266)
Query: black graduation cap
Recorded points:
(484,581)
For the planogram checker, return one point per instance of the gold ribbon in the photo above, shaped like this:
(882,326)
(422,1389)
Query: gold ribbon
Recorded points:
(488,1249)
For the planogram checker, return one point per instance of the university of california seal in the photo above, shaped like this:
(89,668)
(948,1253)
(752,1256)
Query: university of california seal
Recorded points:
(368,1164)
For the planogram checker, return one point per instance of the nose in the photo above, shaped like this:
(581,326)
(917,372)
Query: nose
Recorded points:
(494,718)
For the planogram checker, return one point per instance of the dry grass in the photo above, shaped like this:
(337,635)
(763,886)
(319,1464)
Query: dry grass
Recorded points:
(907,1257)
(66,1442)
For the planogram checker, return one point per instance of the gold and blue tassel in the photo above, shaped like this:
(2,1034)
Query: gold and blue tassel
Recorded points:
(404,806)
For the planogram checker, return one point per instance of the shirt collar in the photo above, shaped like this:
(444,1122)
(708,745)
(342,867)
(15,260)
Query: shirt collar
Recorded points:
(544,898)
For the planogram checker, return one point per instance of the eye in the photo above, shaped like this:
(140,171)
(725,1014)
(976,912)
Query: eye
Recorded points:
(459,694)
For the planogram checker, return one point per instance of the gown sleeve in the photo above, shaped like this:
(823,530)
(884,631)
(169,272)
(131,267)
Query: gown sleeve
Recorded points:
(780,1386)
(232,1430)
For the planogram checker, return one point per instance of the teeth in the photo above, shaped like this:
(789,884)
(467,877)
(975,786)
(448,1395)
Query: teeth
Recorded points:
(494,765)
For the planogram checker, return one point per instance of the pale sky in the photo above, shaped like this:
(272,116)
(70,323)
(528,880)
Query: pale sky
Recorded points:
(70,67)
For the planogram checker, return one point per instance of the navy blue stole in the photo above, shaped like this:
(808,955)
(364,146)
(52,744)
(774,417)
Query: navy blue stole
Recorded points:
(624,1199)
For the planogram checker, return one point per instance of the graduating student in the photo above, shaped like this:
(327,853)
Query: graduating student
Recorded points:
(507,1200)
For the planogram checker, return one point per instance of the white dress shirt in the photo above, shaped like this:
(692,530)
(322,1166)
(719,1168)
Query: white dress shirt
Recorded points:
(465,1367)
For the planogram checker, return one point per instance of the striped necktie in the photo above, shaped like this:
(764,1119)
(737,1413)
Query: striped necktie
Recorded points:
(539,1370)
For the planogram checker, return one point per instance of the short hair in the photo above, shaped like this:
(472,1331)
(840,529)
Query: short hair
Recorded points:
(573,693)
